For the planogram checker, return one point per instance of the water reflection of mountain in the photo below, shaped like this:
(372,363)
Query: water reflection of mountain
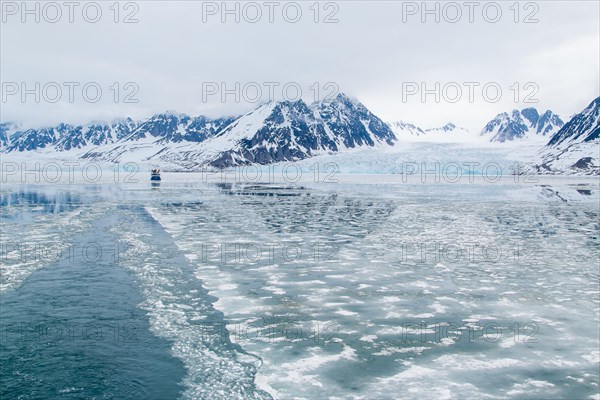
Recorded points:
(289,209)
(567,194)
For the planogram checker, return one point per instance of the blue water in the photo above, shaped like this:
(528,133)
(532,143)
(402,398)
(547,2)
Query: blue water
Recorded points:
(203,291)
(73,330)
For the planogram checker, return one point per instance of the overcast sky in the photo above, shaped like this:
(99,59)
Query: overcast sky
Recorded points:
(379,52)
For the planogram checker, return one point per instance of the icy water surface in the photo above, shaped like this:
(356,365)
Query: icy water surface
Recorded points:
(222,291)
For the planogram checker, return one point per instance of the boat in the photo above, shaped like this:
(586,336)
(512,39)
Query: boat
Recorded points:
(155,174)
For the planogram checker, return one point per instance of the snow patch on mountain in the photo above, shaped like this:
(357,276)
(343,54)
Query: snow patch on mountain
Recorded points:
(405,129)
(449,133)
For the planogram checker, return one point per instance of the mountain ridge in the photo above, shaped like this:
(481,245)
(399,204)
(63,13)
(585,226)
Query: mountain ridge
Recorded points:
(274,131)
(285,130)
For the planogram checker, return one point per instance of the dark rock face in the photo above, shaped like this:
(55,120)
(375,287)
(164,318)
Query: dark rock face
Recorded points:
(583,163)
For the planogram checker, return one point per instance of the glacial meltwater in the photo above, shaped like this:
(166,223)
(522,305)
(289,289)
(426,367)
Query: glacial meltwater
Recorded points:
(300,291)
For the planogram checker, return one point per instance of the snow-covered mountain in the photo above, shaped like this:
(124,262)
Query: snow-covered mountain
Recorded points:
(273,132)
(175,128)
(288,131)
(276,131)
(447,129)
(293,131)
(583,127)
(403,129)
(161,128)
(349,121)
(33,139)
(93,134)
(523,124)
(448,133)
(575,148)
(65,137)
(7,129)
